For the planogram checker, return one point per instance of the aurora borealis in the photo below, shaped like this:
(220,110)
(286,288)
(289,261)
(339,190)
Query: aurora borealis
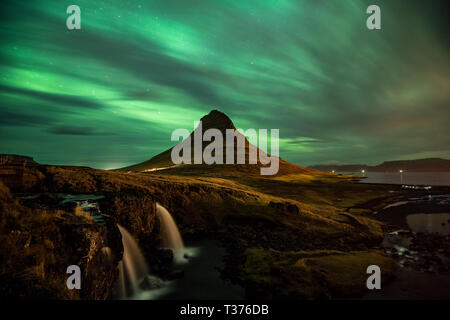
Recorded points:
(110,94)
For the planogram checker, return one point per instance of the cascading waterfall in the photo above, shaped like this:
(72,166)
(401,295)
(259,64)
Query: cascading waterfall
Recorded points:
(122,285)
(133,268)
(171,237)
(107,254)
(133,265)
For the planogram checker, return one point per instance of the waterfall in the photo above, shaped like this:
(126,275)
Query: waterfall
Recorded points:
(133,266)
(122,286)
(107,254)
(171,237)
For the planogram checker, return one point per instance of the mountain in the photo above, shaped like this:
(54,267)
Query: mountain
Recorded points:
(424,165)
(216,120)
(419,165)
(340,168)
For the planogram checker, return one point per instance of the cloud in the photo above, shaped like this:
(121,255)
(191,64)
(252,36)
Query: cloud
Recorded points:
(11,118)
(310,68)
(78,131)
(64,100)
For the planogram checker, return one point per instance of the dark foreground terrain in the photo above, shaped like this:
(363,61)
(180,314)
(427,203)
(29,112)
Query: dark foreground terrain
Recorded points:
(295,235)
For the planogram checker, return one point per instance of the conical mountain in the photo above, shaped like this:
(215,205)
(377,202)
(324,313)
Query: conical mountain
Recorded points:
(220,121)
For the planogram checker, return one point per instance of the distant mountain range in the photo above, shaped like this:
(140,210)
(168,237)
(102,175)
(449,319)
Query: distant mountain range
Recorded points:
(419,165)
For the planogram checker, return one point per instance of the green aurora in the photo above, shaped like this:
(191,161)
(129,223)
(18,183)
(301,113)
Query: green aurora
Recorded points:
(110,94)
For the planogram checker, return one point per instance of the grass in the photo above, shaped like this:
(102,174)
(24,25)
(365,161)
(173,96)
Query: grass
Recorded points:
(312,274)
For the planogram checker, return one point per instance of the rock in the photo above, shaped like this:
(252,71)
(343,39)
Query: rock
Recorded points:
(285,207)
(292,208)
(151,282)
(165,256)
(175,274)
(436,260)
(276,205)
(160,260)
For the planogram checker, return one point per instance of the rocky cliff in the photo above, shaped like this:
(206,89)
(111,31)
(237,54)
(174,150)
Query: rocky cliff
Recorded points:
(39,242)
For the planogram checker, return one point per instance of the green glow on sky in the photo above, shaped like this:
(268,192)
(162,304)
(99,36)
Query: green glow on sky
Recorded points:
(110,94)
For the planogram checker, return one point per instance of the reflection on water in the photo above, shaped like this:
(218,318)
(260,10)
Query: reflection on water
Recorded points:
(414,178)
(396,204)
(202,279)
(429,223)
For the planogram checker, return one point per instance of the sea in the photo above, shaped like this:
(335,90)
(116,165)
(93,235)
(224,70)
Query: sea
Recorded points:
(405,178)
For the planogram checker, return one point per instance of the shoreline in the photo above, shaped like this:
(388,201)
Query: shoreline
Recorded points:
(423,259)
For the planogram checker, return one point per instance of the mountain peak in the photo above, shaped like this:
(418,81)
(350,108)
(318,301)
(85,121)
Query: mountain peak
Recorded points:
(217,120)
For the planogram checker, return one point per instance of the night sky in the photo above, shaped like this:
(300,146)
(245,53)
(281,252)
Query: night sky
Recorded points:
(110,94)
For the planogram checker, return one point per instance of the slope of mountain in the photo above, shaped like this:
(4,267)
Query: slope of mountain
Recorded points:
(216,120)
(419,165)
